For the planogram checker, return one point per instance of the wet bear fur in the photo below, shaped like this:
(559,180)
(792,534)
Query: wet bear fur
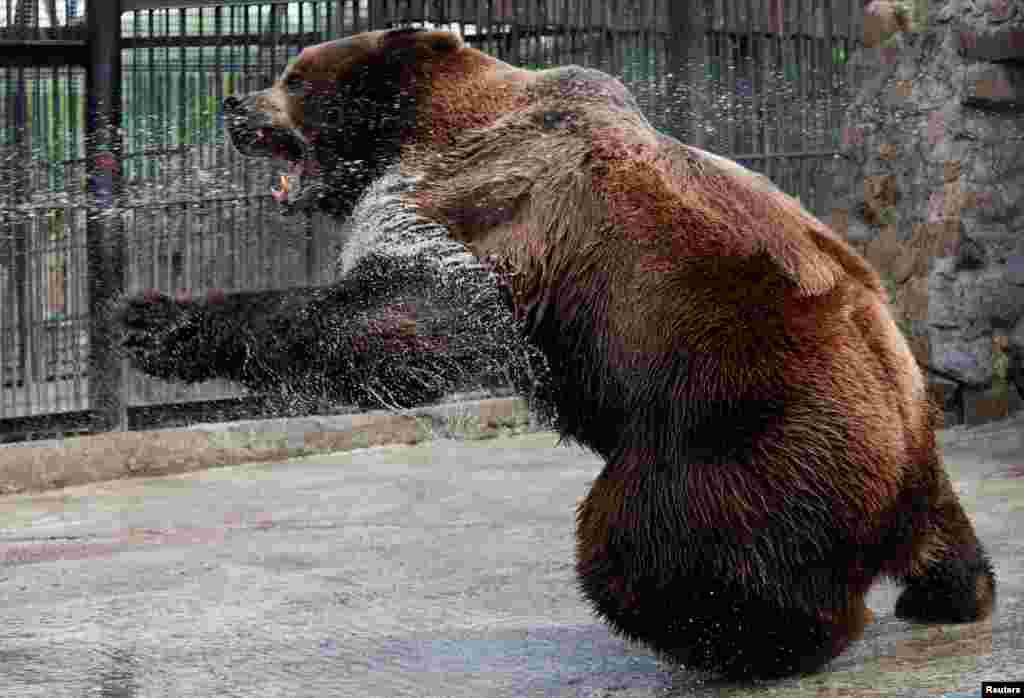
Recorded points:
(769,450)
(412,318)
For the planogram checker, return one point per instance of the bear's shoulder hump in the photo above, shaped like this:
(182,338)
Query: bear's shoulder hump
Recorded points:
(573,84)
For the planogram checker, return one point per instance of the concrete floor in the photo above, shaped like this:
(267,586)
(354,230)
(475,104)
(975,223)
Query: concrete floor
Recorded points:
(443,569)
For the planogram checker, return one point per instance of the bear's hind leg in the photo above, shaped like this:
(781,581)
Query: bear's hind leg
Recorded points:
(774,643)
(716,629)
(951,578)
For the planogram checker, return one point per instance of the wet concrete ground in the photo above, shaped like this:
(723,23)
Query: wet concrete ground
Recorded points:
(443,569)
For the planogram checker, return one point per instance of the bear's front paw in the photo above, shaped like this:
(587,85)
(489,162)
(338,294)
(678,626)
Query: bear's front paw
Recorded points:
(155,332)
(952,590)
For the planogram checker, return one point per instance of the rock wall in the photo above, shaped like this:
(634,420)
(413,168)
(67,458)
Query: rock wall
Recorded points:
(931,188)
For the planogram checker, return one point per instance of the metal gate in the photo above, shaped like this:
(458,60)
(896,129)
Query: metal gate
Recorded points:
(115,175)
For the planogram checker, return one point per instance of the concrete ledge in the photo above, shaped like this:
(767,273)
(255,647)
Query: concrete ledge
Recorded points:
(43,465)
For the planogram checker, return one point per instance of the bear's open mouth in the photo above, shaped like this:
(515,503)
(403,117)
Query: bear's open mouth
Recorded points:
(289,188)
(283,144)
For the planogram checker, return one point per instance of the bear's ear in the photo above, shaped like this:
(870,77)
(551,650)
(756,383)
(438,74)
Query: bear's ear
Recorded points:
(425,43)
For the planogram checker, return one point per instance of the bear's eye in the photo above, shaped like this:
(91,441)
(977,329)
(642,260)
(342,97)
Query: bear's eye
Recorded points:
(295,84)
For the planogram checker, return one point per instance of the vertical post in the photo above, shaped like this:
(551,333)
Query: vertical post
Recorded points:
(375,15)
(686,59)
(513,12)
(822,190)
(15,181)
(104,238)
(611,36)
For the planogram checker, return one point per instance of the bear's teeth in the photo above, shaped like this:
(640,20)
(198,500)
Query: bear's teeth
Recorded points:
(289,189)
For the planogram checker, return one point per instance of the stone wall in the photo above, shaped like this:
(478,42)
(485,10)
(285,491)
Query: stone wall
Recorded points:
(932,188)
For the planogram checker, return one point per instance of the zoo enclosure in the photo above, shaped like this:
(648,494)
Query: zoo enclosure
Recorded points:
(115,175)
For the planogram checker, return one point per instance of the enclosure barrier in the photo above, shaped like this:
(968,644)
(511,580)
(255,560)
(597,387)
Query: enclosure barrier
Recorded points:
(115,175)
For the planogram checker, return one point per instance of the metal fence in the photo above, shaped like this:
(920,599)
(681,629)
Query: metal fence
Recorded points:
(115,175)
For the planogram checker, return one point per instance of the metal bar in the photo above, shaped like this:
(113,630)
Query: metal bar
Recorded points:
(732,46)
(17,190)
(564,30)
(649,30)
(661,89)
(512,43)
(800,67)
(130,5)
(218,95)
(593,48)
(181,127)
(612,35)
(202,85)
(806,41)
(53,264)
(750,73)
(48,53)
(755,76)
(539,30)
(534,49)
(295,38)
(492,47)
(576,22)
(789,154)
(478,19)
(35,377)
(603,36)
(820,190)
(684,48)
(104,234)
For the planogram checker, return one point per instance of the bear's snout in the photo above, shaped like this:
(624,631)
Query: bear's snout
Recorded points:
(243,112)
(255,131)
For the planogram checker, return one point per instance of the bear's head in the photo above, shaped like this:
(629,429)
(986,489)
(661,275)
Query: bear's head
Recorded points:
(343,111)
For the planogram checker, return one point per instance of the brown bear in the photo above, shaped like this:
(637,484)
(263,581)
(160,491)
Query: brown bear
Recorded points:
(768,444)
